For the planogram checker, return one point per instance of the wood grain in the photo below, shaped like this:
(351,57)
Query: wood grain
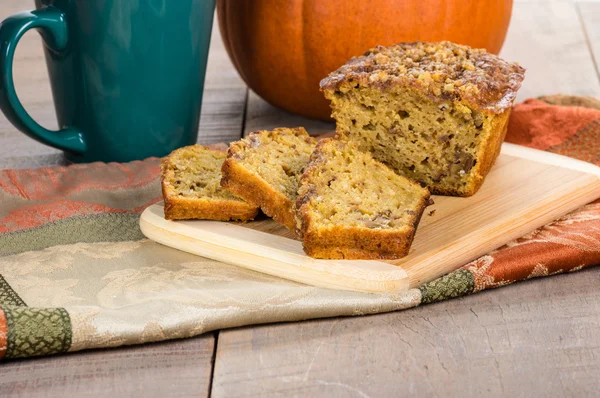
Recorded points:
(263,116)
(548,39)
(525,190)
(224,101)
(589,13)
(531,339)
(172,369)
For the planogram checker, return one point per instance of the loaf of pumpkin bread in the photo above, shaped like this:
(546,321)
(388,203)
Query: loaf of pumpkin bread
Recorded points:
(435,112)
(191,187)
(263,169)
(351,206)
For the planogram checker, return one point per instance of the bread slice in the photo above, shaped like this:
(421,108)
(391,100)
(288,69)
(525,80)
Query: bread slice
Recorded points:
(351,206)
(191,187)
(263,169)
(436,113)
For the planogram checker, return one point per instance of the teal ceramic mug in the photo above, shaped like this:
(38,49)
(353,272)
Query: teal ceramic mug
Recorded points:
(127,75)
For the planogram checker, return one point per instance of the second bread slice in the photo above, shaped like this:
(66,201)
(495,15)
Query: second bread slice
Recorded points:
(263,169)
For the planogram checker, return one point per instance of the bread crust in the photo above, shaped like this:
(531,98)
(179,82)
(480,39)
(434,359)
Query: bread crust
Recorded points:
(221,210)
(181,208)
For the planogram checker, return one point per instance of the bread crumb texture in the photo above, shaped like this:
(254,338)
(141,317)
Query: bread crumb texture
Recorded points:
(352,206)
(190,179)
(195,172)
(264,168)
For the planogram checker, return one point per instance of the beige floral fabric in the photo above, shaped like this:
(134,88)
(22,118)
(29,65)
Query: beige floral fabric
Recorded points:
(139,291)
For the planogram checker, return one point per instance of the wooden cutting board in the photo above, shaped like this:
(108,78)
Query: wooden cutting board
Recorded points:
(525,190)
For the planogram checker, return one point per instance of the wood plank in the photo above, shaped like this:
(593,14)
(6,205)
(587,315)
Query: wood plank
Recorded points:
(224,101)
(590,17)
(549,41)
(516,341)
(180,368)
(525,190)
(222,110)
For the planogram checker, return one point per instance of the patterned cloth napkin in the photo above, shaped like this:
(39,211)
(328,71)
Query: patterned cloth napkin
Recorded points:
(76,272)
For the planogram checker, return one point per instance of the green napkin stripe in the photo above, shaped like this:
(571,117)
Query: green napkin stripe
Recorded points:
(105,227)
(37,331)
(455,284)
(8,296)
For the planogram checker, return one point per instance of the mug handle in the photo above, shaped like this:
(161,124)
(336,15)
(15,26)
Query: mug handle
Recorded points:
(53,27)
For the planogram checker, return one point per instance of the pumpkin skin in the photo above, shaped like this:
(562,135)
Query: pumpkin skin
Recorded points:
(283,48)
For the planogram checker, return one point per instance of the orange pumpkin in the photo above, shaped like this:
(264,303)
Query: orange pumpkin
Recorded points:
(283,48)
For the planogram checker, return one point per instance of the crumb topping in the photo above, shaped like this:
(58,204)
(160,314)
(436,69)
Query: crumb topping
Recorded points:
(443,70)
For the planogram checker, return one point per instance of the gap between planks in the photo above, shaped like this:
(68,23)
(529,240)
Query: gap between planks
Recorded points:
(548,39)
(589,16)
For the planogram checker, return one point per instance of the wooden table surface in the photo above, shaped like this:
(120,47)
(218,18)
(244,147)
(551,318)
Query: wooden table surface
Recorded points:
(535,338)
